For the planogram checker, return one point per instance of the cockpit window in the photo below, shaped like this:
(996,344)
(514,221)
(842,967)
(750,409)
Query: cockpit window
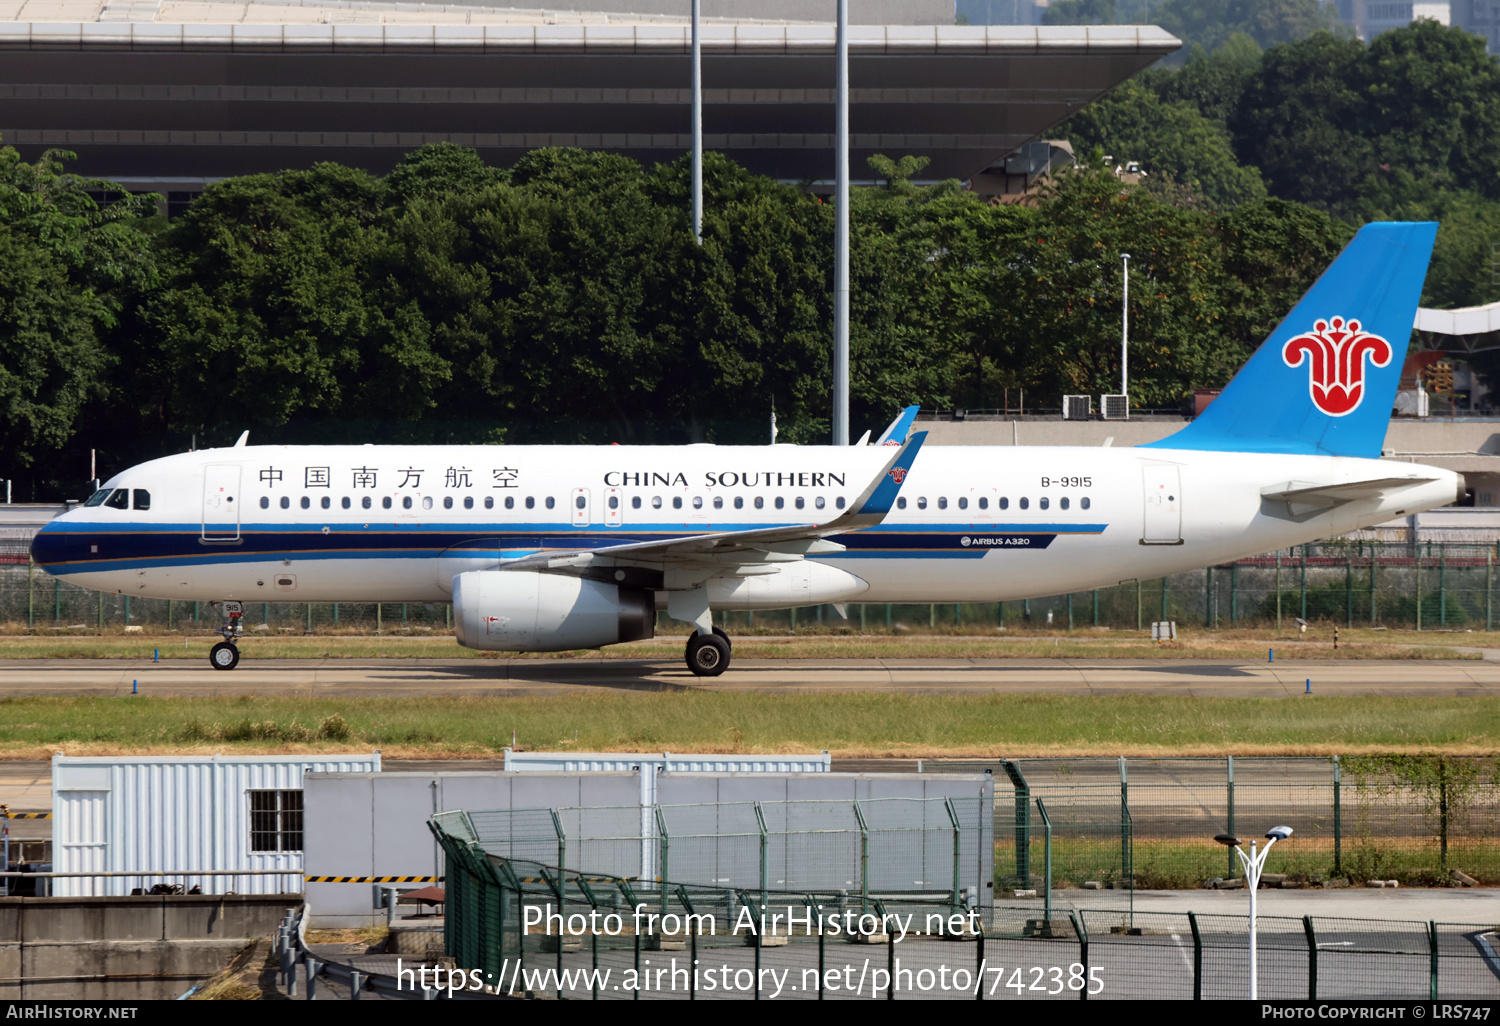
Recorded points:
(97,499)
(142,499)
(119,500)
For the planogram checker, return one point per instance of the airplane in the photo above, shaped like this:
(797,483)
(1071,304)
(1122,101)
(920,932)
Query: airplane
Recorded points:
(551,548)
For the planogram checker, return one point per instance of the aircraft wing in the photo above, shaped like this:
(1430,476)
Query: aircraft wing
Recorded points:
(1297,501)
(760,545)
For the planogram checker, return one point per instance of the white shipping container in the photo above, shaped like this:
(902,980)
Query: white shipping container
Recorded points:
(183,814)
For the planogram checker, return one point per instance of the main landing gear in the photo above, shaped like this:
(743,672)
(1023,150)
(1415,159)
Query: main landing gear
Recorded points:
(226,654)
(708,654)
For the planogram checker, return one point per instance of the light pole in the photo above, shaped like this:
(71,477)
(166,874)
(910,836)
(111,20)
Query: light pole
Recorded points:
(1125,331)
(1253,865)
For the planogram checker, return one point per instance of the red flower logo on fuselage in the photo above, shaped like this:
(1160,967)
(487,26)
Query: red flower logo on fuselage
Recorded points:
(1335,351)
(898,474)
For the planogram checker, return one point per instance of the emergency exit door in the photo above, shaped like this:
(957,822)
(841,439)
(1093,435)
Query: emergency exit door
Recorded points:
(221,503)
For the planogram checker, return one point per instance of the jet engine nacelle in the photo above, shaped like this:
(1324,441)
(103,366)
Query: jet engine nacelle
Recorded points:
(526,611)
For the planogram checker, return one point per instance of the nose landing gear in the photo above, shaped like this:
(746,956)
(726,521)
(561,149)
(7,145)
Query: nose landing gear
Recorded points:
(226,654)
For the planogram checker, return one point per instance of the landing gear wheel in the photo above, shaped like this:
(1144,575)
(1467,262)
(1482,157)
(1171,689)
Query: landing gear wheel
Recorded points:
(224,656)
(707,655)
(727,639)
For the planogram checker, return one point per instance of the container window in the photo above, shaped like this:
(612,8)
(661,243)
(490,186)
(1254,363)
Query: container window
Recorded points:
(275,821)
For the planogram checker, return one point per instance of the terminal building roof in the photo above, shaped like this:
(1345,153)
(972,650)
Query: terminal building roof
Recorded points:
(165,94)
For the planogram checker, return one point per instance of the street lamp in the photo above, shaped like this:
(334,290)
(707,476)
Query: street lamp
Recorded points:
(1253,864)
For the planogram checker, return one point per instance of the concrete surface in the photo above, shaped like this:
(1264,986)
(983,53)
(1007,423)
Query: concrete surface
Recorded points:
(407,678)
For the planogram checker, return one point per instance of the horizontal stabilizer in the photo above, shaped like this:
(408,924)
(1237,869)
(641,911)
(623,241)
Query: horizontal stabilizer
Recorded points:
(1296,500)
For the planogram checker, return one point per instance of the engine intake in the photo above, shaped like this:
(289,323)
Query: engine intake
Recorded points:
(527,611)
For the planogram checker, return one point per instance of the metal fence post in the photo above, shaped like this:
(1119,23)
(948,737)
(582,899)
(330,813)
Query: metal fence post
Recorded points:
(1137,603)
(1234,592)
(1041,809)
(1312,958)
(1373,620)
(1163,610)
(1197,957)
(765,842)
(1442,584)
(1338,817)
(979,966)
(1349,589)
(1023,821)
(1070,610)
(1083,951)
(1278,589)
(957,847)
(1230,826)
(1125,867)
(1419,590)
(1432,947)
(1208,597)
(666,848)
(1096,607)
(1304,582)
(1489,590)
(864,859)
(30,594)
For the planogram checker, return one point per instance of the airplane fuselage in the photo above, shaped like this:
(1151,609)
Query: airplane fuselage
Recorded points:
(972,524)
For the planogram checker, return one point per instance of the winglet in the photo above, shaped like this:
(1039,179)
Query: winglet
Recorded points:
(244,437)
(878,500)
(896,433)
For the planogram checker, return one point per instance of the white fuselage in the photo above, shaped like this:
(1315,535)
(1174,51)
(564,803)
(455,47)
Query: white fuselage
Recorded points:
(973,524)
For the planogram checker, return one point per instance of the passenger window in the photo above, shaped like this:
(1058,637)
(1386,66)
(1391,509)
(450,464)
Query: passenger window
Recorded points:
(656,502)
(489,502)
(327,502)
(760,502)
(365,502)
(550,502)
(697,502)
(922,502)
(818,502)
(119,500)
(1004,503)
(142,499)
(385,502)
(718,502)
(839,502)
(1063,502)
(447,502)
(580,502)
(1083,503)
(286,502)
(97,499)
(799,502)
(984,503)
(780,502)
(635,502)
(469,502)
(901,502)
(306,502)
(1042,502)
(614,502)
(676,502)
(265,503)
(344,502)
(530,503)
(739,502)
(1025,503)
(427,502)
(963,503)
(942,502)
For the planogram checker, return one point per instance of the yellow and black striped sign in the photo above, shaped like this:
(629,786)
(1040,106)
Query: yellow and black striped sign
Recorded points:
(371,879)
(26,815)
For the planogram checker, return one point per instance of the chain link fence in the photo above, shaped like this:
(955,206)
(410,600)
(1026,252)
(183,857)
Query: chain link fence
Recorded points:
(1427,586)
(531,927)
(1118,825)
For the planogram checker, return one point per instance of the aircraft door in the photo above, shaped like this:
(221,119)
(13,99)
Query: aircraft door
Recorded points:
(614,507)
(1163,520)
(221,502)
(581,515)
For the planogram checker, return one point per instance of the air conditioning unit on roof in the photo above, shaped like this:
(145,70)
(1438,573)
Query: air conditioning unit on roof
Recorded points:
(1078,407)
(1115,407)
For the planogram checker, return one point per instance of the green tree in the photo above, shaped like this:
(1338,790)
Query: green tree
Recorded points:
(1210,23)
(1168,138)
(1081,12)
(68,270)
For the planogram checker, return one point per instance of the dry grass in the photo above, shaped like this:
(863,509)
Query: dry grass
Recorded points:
(240,980)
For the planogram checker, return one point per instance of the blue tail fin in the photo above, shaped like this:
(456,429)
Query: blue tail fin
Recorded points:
(1325,381)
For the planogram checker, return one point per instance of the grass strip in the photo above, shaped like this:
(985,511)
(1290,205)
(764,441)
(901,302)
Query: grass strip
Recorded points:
(848,725)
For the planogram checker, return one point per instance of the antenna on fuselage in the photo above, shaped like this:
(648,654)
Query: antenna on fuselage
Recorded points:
(240,442)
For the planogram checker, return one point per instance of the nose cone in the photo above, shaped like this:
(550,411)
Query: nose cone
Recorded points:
(48,546)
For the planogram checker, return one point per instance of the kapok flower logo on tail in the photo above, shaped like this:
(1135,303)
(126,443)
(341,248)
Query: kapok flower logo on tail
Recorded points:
(1336,351)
